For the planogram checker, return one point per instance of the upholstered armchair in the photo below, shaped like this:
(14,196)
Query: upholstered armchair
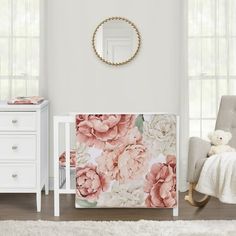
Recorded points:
(198,148)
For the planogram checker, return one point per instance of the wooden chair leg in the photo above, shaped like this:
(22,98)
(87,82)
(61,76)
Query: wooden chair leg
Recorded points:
(190,198)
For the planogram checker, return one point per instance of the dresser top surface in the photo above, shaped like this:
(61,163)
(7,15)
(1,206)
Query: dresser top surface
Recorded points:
(6,107)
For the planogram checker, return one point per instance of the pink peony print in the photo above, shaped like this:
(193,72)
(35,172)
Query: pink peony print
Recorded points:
(171,160)
(89,183)
(108,163)
(73,159)
(103,131)
(132,162)
(133,137)
(126,161)
(160,184)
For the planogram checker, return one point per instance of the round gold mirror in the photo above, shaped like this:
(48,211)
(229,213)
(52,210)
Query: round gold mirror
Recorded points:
(116,41)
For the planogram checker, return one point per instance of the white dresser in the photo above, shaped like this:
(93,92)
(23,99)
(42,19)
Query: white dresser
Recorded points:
(24,149)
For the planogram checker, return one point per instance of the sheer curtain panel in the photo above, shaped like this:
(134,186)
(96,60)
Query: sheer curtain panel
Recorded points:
(19,48)
(211,60)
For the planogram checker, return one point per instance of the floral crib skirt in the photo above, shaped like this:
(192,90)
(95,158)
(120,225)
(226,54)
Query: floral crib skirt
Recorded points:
(126,160)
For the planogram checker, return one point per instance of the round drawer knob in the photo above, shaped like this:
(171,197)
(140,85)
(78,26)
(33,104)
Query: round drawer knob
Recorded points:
(14,147)
(14,175)
(14,121)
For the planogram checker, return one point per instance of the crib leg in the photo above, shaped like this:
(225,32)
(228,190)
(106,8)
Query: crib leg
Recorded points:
(176,211)
(38,201)
(56,203)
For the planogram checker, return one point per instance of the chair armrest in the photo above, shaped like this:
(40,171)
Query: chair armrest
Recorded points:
(198,150)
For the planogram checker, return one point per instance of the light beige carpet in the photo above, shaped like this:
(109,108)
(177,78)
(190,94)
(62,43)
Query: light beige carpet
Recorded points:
(121,228)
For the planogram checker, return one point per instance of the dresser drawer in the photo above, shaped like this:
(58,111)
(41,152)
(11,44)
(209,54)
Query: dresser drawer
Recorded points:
(17,121)
(17,147)
(17,176)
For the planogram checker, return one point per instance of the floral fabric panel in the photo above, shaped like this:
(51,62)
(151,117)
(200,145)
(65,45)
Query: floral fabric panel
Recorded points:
(126,160)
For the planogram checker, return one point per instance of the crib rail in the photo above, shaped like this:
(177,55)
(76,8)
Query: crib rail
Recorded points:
(61,122)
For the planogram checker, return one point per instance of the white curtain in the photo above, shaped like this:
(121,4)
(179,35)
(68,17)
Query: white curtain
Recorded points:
(19,48)
(211,60)
(211,68)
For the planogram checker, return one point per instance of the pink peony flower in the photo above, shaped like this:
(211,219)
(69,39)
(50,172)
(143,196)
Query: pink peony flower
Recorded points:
(108,163)
(102,130)
(133,137)
(171,160)
(89,183)
(127,160)
(161,184)
(132,162)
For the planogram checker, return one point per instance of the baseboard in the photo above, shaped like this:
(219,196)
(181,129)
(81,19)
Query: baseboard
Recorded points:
(51,183)
(183,188)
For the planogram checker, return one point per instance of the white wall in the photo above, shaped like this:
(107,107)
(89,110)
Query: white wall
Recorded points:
(78,81)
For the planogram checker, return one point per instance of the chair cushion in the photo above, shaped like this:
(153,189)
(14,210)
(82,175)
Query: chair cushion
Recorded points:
(198,169)
(226,119)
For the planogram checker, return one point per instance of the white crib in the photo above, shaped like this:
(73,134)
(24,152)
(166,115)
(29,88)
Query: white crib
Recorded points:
(64,177)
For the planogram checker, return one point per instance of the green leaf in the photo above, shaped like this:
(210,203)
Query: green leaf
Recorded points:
(139,123)
(85,203)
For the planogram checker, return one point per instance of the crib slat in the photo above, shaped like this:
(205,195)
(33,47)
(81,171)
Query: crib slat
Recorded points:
(67,136)
(56,168)
(176,209)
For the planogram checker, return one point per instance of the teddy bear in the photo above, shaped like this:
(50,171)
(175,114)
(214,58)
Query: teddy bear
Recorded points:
(219,140)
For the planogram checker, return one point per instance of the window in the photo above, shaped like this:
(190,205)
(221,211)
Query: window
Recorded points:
(211,60)
(19,48)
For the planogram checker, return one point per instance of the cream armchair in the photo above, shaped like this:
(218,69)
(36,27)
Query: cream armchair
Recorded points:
(198,148)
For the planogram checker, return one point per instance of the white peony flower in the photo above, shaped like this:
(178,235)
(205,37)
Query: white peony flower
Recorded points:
(82,154)
(159,134)
(123,195)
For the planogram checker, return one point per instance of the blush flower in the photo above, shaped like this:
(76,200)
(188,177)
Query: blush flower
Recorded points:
(102,130)
(133,137)
(127,161)
(108,163)
(160,184)
(132,162)
(89,183)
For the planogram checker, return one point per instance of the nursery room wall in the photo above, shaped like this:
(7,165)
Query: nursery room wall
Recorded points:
(79,82)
